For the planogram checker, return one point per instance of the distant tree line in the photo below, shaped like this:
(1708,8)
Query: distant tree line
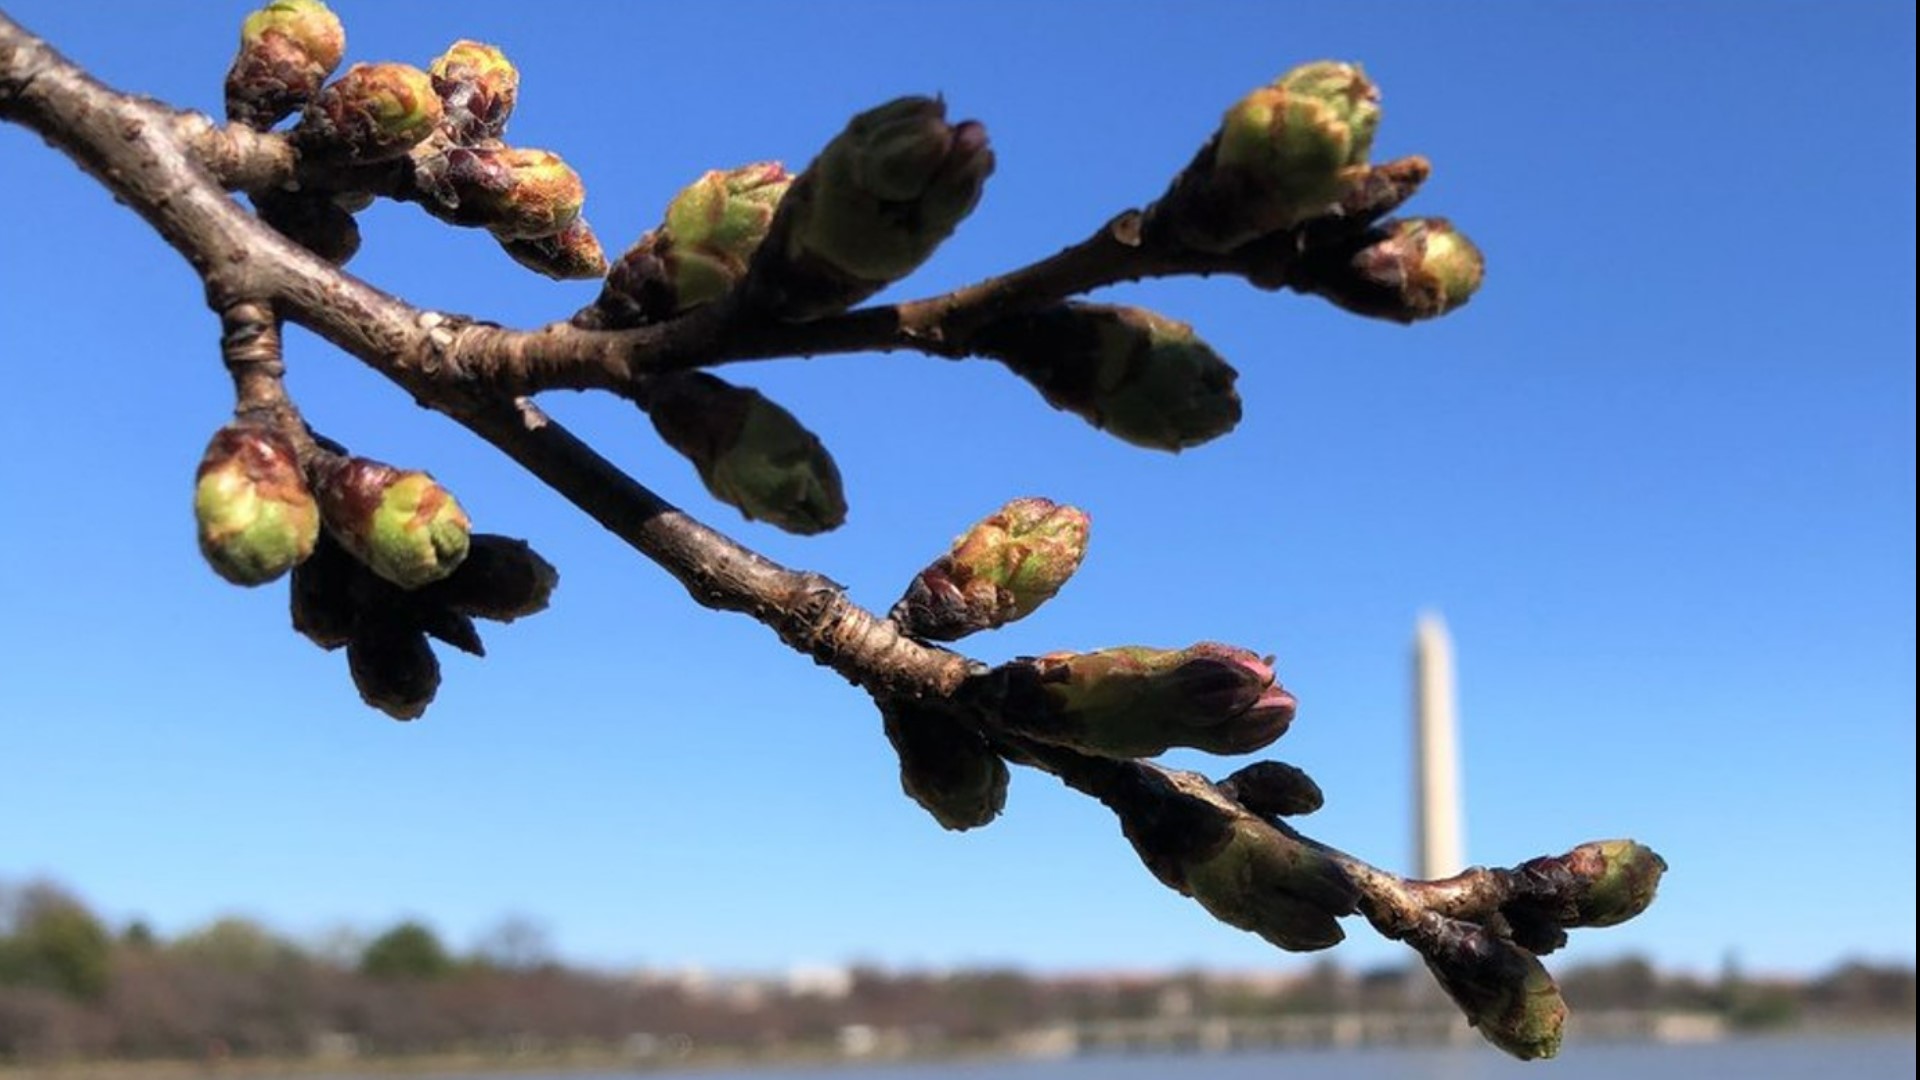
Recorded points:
(71,987)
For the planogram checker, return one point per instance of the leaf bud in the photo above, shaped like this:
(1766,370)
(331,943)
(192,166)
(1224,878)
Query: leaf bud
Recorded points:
(1504,990)
(945,767)
(394,669)
(1404,271)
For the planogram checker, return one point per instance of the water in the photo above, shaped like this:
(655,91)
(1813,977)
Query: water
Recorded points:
(1803,1058)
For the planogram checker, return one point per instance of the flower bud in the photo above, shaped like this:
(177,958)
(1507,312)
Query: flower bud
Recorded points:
(572,254)
(287,50)
(517,193)
(751,454)
(501,579)
(872,207)
(1244,871)
(1615,880)
(394,669)
(945,767)
(1134,374)
(1404,271)
(1132,702)
(374,112)
(1001,570)
(1503,989)
(478,87)
(257,520)
(401,524)
(1283,154)
(1273,789)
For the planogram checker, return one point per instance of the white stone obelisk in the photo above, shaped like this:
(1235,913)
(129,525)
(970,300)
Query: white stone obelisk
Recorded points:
(1440,847)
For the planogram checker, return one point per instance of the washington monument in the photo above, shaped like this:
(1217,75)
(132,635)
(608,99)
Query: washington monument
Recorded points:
(1439,844)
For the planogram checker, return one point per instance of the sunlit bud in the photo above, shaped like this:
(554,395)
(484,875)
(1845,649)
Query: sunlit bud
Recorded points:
(1000,570)
(517,193)
(1139,376)
(1613,880)
(751,454)
(872,207)
(372,113)
(322,595)
(715,225)
(945,767)
(1273,789)
(1503,989)
(1283,154)
(287,50)
(477,87)
(402,524)
(316,223)
(394,669)
(1132,702)
(256,518)
(501,579)
(1405,271)
(572,254)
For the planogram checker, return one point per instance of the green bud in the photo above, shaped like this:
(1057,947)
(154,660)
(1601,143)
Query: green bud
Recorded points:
(572,254)
(872,207)
(1404,271)
(1616,880)
(401,524)
(1243,870)
(1504,990)
(1134,702)
(287,50)
(257,520)
(945,767)
(1000,570)
(1273,789)
(478,86)
(751,454)
(394,669)
(374,112)
(517,193)
(1140,376)
(1283,154)
(501,579)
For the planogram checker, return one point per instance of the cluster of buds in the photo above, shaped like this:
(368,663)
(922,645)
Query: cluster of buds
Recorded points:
(702,250)
(1404,270)
(400,523)
(1135,702)
(751,454)
(338,602)
(1139,376)
(1000,570)
(257,519)
(1245,872)
(871,208)
(945,766)
(1283,154)
(287,50)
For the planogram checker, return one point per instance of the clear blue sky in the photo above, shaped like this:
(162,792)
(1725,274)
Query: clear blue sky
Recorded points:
(1659,477)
